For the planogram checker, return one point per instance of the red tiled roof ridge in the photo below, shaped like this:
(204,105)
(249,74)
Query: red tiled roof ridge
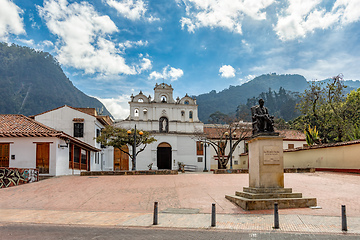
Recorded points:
(77,109)
(18,123)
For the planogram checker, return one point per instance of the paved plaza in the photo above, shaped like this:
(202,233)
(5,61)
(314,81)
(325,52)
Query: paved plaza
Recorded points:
(184,202)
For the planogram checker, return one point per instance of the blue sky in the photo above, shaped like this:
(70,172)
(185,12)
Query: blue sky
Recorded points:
(110,49)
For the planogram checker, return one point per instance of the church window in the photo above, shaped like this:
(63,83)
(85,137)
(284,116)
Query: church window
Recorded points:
(182,113)
(136,112)
(145,111)
(163,99)
(141,100)
(186,102)
(190,114)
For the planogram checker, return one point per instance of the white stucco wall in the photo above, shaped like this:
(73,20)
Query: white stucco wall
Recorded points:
(297,143)
(61,119)
(24,149)
(183,149)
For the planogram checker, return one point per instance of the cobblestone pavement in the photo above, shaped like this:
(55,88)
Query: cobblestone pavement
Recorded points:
(184,202)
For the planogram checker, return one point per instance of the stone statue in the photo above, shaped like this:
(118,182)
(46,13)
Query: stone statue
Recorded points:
(163,124)
(261,120)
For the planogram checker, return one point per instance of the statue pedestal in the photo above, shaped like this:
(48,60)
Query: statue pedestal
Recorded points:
(266,178)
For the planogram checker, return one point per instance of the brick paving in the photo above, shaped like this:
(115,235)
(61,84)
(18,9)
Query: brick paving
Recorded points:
(128,201)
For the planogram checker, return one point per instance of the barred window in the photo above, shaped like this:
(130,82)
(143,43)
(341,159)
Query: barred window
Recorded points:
(78,129)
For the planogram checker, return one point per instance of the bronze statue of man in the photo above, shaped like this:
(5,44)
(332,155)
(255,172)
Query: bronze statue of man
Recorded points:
(262,121)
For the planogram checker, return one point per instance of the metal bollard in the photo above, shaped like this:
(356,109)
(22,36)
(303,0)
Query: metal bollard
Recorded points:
(155,221)
(213,215)
(276,216)
(343,218)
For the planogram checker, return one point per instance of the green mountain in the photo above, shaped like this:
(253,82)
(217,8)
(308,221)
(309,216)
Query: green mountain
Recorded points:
(229,99)
(33,82)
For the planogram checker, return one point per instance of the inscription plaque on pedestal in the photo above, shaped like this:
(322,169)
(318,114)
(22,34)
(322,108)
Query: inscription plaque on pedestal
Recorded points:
(271,155)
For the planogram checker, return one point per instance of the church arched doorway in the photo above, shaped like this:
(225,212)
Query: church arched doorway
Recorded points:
(164,156)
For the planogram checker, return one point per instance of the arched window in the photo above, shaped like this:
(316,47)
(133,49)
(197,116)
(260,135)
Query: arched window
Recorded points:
(136,112)
(141,100)
(190,114)
(182,113)
(163,99)
(145,111)
(186,102)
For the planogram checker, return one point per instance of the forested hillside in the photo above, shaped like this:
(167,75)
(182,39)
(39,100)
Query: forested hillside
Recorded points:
(229,99)
(32,82)
(239,98)
(281,104)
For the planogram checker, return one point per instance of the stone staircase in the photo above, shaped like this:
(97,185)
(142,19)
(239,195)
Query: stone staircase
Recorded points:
(264,198)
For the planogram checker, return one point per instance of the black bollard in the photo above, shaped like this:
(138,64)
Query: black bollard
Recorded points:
(155,222)
(276,216)
(213,215)
(343,218)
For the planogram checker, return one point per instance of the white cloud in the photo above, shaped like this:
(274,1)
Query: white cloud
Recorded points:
(27,42)
(130,44)
(168,73)
(118,107)
(304,16)
(145,65)
(84,38)
(131,9)
(227,71)
(226,14)
(246,79)
(10,19)
(47,43)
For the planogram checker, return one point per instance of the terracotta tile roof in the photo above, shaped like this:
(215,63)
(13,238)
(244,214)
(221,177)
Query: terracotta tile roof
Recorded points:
(327,145)
(90,111)
(104,119)
(19,125)
(292,134)
(16,125)
(215,132)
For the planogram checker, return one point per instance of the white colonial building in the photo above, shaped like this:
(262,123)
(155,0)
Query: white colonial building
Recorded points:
(172,123)
(83,124)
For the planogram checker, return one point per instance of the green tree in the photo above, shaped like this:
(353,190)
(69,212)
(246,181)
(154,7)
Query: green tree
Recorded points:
(326,108)
(118,137)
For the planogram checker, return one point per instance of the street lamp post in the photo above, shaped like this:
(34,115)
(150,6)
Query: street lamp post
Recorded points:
(134,147)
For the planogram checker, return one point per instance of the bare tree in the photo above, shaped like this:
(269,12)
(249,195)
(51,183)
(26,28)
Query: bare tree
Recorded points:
(218,136)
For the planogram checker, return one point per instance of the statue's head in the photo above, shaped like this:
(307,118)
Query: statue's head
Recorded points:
(261,102)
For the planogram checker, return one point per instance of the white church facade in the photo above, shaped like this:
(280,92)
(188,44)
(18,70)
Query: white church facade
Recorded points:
(172,123)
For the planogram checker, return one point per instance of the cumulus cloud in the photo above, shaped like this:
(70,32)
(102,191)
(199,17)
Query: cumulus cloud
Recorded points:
(304,16)
(227,71)
(10,19)
(84,38)
(131,9)
(168,73)
(144,65)
(118,107)
(226,14)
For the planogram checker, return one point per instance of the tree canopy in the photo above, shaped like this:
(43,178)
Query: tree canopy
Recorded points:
(118,137)
(327,108)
